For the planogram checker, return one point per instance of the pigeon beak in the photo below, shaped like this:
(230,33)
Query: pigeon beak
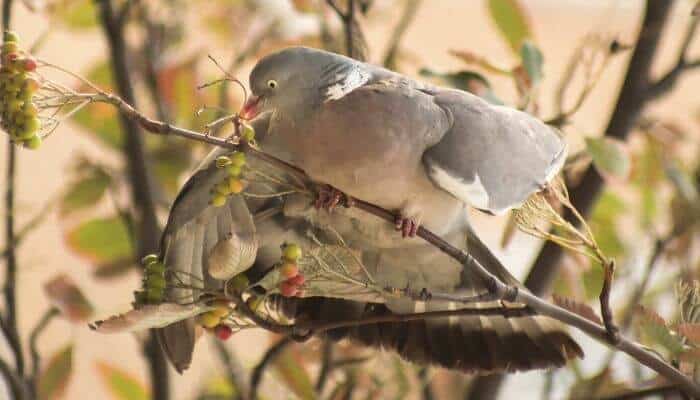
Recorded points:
(250,108)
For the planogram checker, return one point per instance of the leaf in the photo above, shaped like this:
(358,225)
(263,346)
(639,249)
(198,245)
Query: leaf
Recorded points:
(178,83)
(691,332)
(582,309)
(148,316)
(288,365)
(55,377)
(219,388)
(68,298)
(101,240)
(87,190)
(470,81)
(76,15)
(610,157)
(511,20)
(532,61)
(113,269)
(122,385)
(655,328)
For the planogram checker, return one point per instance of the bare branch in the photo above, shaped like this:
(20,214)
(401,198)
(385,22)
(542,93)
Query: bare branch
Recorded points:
(407,16)
(668,81)
(50,314)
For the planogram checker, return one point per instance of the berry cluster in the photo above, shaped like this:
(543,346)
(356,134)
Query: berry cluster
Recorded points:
(212,319)
(291,286)
(153,286)
(18,115)
(232,184)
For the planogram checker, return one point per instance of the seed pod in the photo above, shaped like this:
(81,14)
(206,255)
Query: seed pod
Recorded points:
(231,256)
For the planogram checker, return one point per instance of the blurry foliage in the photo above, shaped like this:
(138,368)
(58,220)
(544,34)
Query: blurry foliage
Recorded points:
(290,367)
(121,384)
(101,240)
(56,376)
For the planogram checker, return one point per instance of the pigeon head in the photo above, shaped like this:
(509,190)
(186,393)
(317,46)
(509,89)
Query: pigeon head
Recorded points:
(298,79)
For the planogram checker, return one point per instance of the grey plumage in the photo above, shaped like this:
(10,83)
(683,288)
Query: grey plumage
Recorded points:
(404,145)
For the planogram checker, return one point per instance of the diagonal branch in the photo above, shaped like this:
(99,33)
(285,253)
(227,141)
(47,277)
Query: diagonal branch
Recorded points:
(668,81)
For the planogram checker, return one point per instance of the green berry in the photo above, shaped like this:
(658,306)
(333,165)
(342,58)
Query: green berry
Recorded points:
(10,47)
(291,252)
(238,158)
(10,36)
(234,170)
(235,185)
(29,128)
(154,295)
(222,188)
(155,281)
(33,143)
(15,105)
(222,161)
(149,259)
(218,200)
(30,109)
(248,133)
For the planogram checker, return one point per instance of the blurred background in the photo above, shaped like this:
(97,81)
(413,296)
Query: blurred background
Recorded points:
(75,205)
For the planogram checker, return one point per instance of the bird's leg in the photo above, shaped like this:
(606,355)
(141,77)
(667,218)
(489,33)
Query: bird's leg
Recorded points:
(408,219)
(328,198)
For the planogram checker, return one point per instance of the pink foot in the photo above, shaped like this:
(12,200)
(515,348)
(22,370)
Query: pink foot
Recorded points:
(328,198)
(407,226)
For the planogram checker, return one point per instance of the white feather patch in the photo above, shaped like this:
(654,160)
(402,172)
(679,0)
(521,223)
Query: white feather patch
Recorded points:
(473,192)
(557,165)
(346,83)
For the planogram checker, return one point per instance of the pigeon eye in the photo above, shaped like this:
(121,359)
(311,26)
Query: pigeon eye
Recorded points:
(272,84)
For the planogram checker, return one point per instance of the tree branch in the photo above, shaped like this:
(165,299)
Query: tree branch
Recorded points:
(668,81)
(50,314)
(409,13)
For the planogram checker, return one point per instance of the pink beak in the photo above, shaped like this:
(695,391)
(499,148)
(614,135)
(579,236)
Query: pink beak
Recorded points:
(250,108)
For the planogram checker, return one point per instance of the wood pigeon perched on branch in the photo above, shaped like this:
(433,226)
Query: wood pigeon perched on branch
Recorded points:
(424,151)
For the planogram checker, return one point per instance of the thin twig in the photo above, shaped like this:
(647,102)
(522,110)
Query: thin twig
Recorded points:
(407,16)
(33,350)
(234,370)
(668,81)
(270,356)
(326,361)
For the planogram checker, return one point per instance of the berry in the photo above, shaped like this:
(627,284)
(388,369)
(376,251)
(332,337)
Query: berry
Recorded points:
(10,36)
(30,128)
(155,281)
(222,188)
(234,170)
(28,64)
(248,133)
(220,311)
(291,252)
(156,268)
(209,320)
(222,161)
(218,200)
(10,47)
(223,332)
(30,109)
(239,282)
(287,289)
(15,105)
(289,270)
(235,185)
(149,259)
(31,85)
(297,280)
(33,143)
(154,295)
(238,159)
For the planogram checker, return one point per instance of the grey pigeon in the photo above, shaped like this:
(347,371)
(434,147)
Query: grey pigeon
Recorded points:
(426,152)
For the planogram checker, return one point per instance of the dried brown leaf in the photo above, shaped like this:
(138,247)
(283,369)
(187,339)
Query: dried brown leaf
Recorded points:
(582,309)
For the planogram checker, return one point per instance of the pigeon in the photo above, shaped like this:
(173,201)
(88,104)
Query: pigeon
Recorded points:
(428,153)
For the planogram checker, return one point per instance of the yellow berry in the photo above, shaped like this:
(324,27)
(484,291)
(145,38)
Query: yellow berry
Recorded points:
(30,109)
(218,200)
(291,252)
(289,270)
(33,142)
(248,133)
(10,47)
(222,161)
(221,312)
(10,36)
(235,185)
(238,158)
(209,320)
(239,282)
(234,170)
(222,188)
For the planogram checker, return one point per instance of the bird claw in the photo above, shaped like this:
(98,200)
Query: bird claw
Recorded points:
(328,198)
(407,226)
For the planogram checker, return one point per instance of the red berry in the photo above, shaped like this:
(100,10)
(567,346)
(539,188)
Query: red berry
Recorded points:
(287,289)
(297,280)
(29,65)
(223,332)
(289,270)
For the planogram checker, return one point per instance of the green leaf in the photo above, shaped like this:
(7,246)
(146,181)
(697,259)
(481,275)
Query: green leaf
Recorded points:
(122,385)
(219,388)
(76,14)
(658,332)
(55,377)
(511,20)
(294,374)
(532,61)
(113,269)
(469,81)
(610,157)
(101,240)
(86,191)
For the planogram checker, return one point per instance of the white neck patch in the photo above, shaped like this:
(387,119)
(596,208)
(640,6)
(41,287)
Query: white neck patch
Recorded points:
(345,82)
